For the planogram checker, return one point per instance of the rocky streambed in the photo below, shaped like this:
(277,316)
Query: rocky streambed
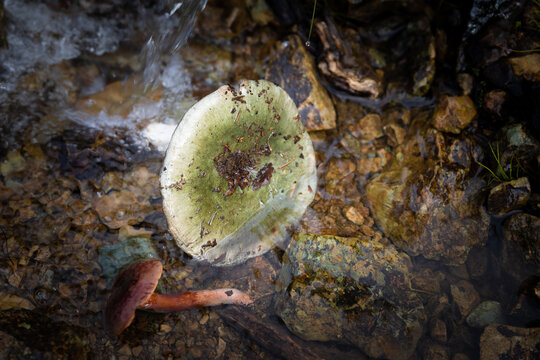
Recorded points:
(422,241)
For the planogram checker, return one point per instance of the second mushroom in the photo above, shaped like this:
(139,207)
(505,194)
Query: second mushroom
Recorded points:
(134,288)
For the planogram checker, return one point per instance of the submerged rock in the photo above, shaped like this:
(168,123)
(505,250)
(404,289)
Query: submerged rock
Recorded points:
(427,201)
(453,114)
(293,68)
(434,351)
(495,101)
(437,330)
(487,312)
(350,290)
(369,127)
(509,342)
(465,296)
(521,248)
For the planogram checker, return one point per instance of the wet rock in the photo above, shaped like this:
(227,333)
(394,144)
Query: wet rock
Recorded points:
(526,67)
(293,68)
(120,208)
(463,152)
(354,215)
(395,121)
(465,296)
(478,262)
(327,217)
(361,137)
(260,12)
(508,196)
(435,351)
(58,82)
(118,98)
(466,82)
(340,173)
(223,20)
(369,159)
(494,102)
(11,301)
(425,205)
(359,300)
(517,135)
(396,40)
(521,248)
(369,127)
(487,312)
(427,281)
(208,62)
(395,134)
(344,64)
(396,114)
(453,114)
(12,164)
(483,11)
(530,287)
(493,44)
(527,307)
(437,330)
(509,342)
(423,77)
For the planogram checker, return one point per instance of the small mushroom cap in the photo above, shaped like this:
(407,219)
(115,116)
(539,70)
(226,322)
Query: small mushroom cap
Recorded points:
(239,170)
(131,288)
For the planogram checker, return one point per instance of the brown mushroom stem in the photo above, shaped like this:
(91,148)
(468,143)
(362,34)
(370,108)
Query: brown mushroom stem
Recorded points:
(134,288)
(191,299)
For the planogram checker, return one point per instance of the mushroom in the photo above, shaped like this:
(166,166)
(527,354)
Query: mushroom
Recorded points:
(134,288)
(239,171)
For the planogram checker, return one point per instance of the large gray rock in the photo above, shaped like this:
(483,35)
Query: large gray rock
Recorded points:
(487,312)
(352,291)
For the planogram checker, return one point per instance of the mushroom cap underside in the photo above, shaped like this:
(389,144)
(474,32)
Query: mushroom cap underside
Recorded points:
(131,288)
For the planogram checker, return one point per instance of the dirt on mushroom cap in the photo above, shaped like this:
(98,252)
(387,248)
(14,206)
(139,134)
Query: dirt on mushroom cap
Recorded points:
(237,173)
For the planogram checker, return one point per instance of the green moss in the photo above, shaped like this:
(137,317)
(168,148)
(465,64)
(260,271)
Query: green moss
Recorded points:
(220,212)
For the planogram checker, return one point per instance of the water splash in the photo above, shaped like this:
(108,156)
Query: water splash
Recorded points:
(169,36)
(40,37)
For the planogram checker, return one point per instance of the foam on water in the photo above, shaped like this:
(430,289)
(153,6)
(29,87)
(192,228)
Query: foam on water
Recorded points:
(149,123)
(39,36)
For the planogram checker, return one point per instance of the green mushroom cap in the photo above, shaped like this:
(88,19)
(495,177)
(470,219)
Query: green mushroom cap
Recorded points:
(239,170)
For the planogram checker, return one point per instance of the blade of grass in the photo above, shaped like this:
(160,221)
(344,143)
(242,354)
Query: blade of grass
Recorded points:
(490,171)
(311,25)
